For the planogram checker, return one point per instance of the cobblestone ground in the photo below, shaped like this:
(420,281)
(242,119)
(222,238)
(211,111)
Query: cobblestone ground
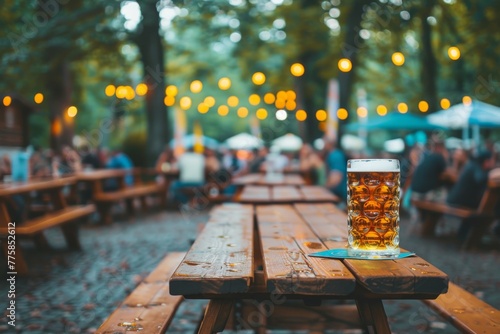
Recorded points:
(73,292)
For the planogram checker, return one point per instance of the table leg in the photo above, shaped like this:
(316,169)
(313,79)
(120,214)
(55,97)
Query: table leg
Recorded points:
(216,316)
(373,317)
(70,231)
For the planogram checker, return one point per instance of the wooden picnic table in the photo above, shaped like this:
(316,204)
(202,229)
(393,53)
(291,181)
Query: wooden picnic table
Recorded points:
(60,214)
(285,194)
(105,198)
(231,260)
(268,179)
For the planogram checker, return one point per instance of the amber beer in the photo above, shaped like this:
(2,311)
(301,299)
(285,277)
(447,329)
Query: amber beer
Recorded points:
(373,207)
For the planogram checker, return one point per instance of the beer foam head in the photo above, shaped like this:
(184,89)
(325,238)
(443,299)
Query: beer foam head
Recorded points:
(373,165)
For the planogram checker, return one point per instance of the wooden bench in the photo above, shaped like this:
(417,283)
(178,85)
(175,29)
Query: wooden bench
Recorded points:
(465,311)
(60,215)
(150,308)
(430,213)
(104,200)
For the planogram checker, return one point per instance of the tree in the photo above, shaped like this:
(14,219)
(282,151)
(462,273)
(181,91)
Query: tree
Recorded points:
(150,45)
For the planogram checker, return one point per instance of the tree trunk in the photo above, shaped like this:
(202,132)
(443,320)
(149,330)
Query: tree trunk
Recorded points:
(351,47)
(150,46)
(60,87)
(428,60)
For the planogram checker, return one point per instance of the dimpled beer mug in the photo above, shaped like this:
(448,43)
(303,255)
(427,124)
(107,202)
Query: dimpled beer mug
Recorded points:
(373,208)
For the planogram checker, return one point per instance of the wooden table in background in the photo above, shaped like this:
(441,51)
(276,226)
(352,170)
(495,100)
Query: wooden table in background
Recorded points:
(230,260)
(269,180)
(285,194)
(61,214)
(105,199)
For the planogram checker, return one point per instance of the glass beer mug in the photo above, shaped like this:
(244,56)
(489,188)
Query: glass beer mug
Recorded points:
(373,198)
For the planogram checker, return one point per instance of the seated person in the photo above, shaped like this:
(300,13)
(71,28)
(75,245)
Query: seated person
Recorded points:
(426,182)
(191,174)
(311,163)
(470,187)
(119,160)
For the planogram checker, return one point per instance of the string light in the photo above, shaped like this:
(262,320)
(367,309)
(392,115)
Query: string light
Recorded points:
(342,114)
(141,89)
(39,98)
(223,110)
(171,90)
(381,110)
(466,100)
(169,100)
(345,65)
(297,69)
(301,115)
(224,83)
(445,103)
(402,108)
(254,99)
(196,86)
(110,90)
(72,111)
(233,101)
(258,78)
(269,98)
(185,102)
(398,58)
(453,53)
(7,100)
(242,112)
(261,113)
(321,115)
(423,106)
(362,112)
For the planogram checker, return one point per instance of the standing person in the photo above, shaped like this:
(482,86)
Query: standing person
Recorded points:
(470,187)
(336,162)
(427,182)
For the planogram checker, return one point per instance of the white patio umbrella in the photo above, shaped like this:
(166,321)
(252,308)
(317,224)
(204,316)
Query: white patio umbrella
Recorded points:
(352,143)
(243,141)
(288,142)
(475,114)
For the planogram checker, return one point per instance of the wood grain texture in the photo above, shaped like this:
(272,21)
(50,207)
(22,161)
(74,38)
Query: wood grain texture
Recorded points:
(149,308)
(403,276)
(465,311)
(152,320)
(221,259)
(286,240)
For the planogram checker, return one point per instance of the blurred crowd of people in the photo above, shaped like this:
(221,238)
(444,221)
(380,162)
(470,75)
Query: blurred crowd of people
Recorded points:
(46,163)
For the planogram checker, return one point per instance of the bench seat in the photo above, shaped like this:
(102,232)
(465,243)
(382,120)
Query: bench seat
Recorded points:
(130,192)
(465,311)
(150,308)
(52,219)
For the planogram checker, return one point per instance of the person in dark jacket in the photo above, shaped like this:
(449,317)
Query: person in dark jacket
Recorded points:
(470,187)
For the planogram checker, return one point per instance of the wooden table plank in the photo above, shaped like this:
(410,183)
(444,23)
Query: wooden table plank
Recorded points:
(286,194)
(269,179)
(15,188)
(221,259)
(403,276)
(318,194)
(285,240)
(255,194)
